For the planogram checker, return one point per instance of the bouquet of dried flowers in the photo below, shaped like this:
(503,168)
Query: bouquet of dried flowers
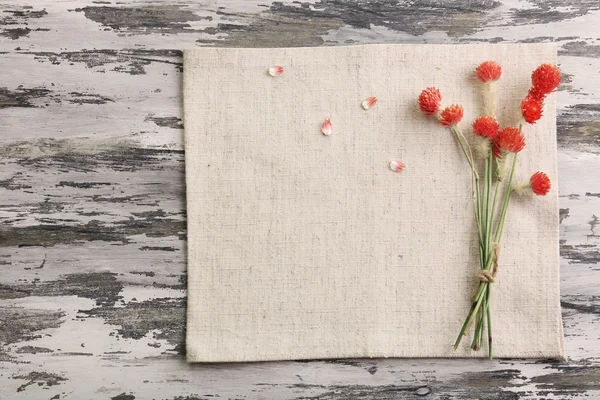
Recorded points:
(492,154)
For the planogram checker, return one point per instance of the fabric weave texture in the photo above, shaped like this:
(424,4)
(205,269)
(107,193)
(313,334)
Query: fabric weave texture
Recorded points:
(305,246)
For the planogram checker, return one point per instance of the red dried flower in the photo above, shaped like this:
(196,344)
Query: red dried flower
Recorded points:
(451,115)
(511,139)
(540,183)
(496,150)
(536,94)
(429,101)
(486,127)
(531,109)
(545,78)
(488,71)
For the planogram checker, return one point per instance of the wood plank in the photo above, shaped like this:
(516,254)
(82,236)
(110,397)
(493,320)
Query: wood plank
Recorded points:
(92,291)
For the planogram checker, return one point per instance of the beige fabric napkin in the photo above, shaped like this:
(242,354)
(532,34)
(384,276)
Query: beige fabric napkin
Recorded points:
(305,246)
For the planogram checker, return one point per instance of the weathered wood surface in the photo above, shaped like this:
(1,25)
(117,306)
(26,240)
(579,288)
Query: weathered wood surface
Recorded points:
(92,283)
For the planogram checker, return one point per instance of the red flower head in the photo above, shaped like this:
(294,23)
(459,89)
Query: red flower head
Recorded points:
(429,101)
(536,94)
(545,78)
(486,127)
(488,71)
(496,150)
(540,183)
(531,109)
(451,115)
(511,139)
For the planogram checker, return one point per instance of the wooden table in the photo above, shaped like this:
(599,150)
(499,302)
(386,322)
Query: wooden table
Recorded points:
(92,284)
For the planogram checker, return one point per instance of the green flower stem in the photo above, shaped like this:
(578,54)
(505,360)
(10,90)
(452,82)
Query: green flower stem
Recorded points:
(466,149)
(496,190)
(474,308)
(479,326)
(489,321)
(479,215)
(491,205)
(477,333)
(484,209)
(484,206)
(480,310)
(509,190)
(482,297)
(485,309)
(490,209)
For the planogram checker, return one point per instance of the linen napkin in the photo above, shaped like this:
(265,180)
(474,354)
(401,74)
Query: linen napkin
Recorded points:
(307,246)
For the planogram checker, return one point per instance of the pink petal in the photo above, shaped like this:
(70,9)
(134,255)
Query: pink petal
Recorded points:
(397,166)
(276,70)
(327,128)
(369,103)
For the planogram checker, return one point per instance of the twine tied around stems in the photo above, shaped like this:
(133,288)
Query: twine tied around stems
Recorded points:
(490,275)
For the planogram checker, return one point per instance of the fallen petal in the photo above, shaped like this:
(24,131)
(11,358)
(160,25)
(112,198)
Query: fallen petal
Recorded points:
(397,166)
(369,103)
(327,128)
(276,70)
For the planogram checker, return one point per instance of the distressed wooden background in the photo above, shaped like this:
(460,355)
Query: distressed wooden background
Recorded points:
(92,282)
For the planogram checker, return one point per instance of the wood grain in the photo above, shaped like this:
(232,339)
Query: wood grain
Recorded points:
(92,290)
